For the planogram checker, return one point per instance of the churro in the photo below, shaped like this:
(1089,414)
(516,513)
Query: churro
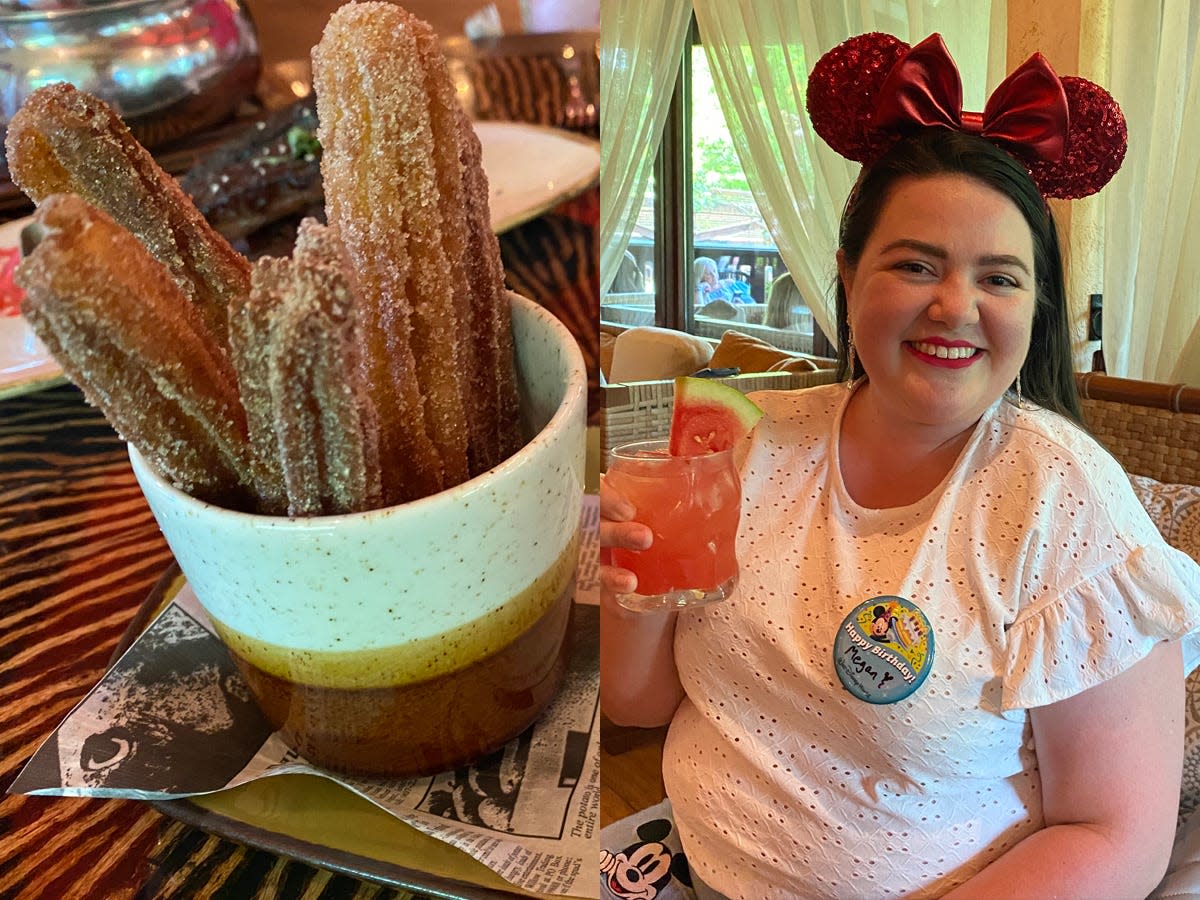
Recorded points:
(249,350)
(445,114)
(330,456)
(364,77)
(491,322)
(121,328)
(63,140)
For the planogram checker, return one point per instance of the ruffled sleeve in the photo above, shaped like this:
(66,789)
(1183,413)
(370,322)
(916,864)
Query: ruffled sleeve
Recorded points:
(1100,627)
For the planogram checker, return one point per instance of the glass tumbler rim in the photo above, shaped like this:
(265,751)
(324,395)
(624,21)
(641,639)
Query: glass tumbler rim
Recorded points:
(630,449)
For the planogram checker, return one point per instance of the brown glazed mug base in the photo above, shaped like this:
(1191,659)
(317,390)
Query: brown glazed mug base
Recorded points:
(427,726)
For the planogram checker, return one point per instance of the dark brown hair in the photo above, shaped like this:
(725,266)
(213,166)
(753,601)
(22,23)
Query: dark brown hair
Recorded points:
(1047,376)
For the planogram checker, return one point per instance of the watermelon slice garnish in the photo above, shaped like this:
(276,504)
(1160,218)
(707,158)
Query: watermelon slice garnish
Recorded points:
(708,417)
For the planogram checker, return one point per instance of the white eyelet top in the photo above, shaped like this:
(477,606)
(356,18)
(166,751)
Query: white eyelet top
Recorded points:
(1041,576)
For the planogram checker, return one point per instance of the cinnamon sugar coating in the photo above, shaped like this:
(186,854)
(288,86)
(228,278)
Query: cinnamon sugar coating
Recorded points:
(407,194)
(63,140)
(250,351)
(374,134)
(121,328)
(491,322)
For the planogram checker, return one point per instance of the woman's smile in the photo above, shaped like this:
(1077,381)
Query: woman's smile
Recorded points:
(948,355)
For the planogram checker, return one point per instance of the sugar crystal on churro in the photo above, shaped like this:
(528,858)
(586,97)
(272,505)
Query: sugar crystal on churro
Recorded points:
(360,65)
(491,326)
(327,437)
(250,349)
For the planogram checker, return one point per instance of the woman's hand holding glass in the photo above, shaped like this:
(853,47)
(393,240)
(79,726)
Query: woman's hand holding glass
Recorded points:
(639,685)
(618,529)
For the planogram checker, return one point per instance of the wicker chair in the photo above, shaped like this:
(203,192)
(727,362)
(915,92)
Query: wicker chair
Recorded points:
(1152,429)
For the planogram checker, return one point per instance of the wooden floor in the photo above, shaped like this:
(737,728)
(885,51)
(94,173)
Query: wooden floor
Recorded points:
(631,767)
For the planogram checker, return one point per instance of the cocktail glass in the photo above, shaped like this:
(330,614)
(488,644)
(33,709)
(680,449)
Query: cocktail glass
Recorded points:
(691,504)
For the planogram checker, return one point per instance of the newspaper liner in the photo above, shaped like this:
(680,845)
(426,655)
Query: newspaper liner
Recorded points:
(172,718)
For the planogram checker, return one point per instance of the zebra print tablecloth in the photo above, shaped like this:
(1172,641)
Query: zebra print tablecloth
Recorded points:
(555,261)
(79,553)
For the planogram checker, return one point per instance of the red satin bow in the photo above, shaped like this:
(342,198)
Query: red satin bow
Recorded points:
(1028,110)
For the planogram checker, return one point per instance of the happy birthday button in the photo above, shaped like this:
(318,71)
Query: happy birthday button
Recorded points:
(883,650)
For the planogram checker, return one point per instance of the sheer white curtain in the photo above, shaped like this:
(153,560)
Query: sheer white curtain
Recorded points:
(1187,369)
(641,42)
(760,54)
(1152,206)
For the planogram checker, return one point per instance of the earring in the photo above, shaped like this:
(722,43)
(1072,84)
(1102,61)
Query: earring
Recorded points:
(850,358)
(1020,401)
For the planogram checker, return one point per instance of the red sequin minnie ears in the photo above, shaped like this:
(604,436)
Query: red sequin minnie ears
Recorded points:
(869,92)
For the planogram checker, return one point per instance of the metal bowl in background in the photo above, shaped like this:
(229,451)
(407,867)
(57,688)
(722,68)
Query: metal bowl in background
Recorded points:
(169,67)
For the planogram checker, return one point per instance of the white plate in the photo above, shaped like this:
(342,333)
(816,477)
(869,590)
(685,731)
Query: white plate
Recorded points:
(25,365)
(530,170)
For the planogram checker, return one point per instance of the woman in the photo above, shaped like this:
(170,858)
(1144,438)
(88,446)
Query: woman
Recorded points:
(1039,751)
(782,299)
(707,281)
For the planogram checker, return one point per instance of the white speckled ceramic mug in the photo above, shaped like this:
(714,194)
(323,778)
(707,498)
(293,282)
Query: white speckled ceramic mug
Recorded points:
(421,636)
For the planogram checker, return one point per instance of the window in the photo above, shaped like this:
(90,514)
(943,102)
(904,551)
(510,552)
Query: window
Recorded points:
(700,258)
(631,299)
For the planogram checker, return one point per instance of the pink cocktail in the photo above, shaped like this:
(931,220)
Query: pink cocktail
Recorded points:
(691,504)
